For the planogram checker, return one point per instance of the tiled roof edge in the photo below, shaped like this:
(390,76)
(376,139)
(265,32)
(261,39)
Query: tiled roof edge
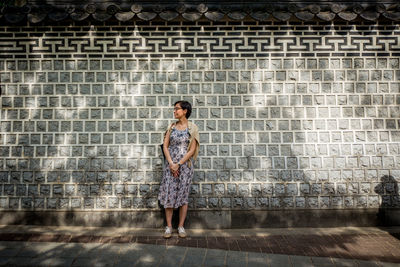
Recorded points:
(37,11)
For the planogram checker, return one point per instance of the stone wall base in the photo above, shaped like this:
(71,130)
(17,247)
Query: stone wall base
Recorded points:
(208,219)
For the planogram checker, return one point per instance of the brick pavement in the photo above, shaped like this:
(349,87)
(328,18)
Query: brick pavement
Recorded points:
(375,245)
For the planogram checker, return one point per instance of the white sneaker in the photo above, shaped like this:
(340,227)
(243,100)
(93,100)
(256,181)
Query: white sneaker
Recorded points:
(168,232)
(181,232)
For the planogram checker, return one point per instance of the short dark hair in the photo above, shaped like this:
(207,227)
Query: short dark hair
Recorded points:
(185,105)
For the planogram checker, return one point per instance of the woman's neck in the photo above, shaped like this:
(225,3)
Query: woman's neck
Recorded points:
(183,121)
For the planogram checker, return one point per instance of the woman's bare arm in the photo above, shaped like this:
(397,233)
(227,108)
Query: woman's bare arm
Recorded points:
(165,148)
(190,153)
(173,166)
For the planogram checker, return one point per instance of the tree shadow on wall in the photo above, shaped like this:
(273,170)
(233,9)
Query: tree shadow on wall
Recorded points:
(388,215)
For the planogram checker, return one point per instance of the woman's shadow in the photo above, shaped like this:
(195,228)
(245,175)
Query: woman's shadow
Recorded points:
(389,212)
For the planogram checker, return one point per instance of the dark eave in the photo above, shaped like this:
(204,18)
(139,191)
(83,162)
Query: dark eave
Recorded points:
(36,11)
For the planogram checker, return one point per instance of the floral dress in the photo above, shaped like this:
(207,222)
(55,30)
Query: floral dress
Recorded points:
(174,192)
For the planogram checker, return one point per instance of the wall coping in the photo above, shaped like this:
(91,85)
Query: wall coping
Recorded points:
(35,11)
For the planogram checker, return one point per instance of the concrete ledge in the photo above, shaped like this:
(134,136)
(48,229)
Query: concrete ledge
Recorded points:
(208,219)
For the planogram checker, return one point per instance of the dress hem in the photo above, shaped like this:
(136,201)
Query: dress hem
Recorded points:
(184,203)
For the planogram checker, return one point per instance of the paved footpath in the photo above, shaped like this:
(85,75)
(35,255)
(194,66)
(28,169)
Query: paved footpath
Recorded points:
(77,246)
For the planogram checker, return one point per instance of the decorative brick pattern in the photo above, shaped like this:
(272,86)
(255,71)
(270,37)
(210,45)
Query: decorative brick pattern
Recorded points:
(290,116)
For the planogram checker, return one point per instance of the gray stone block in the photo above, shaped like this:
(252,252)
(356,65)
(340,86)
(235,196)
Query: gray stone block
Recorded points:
(219,189)
(325,202)
(231,189)
(291,189)
(45,190)
(26,203)
(316,189)
(200,202)
(52,203)
(305,188)
(58,190)
(250,203)
(226,203)
(70,190)
(101,203)
(33,190)
(213,202)
(328,189)
(256,190)
(206,189)
(243,189)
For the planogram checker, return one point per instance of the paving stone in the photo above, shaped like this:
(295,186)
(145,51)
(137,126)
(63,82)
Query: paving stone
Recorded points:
(28,252)
(257,259)
(300,261)
(344,262)
(322,262)
(215,257)
(275,260)
(69,250)
(388,264)
(99,252)
(127,258)
(4,261)
(173,256)
(367,263)
(20,261)
(194,257)
(92,262)
(53,261)
(9,252)
(148,259)
(236,258)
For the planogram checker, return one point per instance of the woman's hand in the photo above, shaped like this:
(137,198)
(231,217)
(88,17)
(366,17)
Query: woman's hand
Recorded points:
(175,174)
(174,169)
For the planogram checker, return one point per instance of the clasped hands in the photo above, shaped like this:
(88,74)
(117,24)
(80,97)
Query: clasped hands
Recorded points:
(174,169)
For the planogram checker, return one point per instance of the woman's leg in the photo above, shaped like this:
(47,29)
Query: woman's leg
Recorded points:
(182,215)
(168,216)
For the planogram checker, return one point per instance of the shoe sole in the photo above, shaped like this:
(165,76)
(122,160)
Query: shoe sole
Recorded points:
(167,236)
(182,236)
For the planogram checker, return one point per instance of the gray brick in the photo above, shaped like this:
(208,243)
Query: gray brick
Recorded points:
(219,189)
(288,202)
(275,202)
(248,176)
(70,190)
(226,203)
(200,202)
(243,190)
(231,189)
(291,189)
(126,202)
(206,189)
(256,190)
(101,203)
(194,189)
(14,203)
(250,202)
(300,202)
(260,175)
(113,202)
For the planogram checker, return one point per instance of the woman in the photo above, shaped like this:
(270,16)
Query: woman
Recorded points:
(181,147)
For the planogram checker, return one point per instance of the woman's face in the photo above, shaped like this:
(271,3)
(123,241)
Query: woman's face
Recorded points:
(179,112)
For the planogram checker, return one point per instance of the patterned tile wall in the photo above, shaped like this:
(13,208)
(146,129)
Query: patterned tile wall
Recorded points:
(291,116)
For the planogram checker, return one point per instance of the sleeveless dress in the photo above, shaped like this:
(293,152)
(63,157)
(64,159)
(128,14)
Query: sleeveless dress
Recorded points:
(174,192)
